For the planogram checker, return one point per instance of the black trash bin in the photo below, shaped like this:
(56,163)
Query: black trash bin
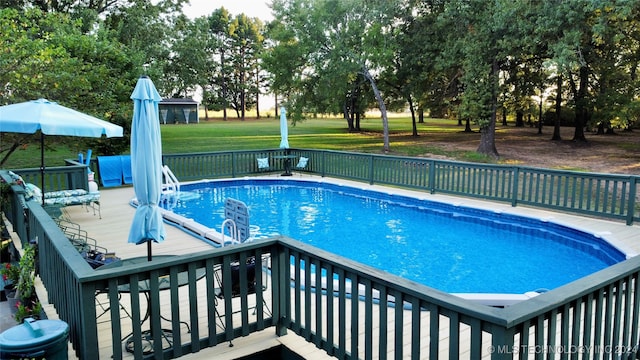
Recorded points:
(36,339)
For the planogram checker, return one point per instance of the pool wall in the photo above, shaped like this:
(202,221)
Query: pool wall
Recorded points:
(595,245)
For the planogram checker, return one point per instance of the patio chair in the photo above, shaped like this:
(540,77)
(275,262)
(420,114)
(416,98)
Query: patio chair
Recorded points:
(237,287)
(74,197)
(263,164)
(127,177)
(62,198)
(111,171)
(302,163)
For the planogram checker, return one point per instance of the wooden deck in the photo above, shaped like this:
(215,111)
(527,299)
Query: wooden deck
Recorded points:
(112,231)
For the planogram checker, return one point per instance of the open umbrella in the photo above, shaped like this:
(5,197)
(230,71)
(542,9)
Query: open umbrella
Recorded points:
(284,131)
(52,119)
(146,165)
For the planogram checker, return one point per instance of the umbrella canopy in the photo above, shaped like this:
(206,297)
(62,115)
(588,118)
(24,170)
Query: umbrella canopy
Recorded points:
(52,119)
(146,164)
(284,131)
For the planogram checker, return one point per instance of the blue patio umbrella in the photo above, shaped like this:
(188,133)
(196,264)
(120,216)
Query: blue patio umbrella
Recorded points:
(52,118)
(146,165)
(284,131)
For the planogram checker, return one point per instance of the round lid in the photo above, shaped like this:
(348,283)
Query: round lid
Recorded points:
(29,336)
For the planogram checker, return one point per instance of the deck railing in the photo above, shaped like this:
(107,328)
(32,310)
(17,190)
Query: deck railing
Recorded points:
(362,313)
(609,196)
(359,313)
(57,178)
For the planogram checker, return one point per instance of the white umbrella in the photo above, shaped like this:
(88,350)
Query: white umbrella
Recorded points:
(284,131)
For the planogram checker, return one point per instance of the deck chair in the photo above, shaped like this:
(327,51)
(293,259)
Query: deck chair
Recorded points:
(127,177)
(302,163)
(236,287)
(110,170)
(263,164)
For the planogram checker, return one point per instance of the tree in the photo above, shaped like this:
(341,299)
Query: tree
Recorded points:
(486,37)
(590,50)
(246,41)
(48,56)
(215,91)
(327,45)
(191,64)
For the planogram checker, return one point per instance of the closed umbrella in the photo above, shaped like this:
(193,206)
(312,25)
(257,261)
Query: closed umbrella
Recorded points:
(284,131)
(146,165)
(52,118)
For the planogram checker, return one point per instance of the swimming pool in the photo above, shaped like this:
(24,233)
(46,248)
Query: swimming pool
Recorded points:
(451,248)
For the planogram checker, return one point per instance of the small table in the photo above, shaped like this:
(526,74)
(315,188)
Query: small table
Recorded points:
(144,287)
(287,163)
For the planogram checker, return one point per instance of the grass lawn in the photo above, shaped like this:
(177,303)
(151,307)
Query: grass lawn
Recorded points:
(218,135)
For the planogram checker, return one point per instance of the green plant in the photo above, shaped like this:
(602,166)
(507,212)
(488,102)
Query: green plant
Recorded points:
(10,273)
(25,287)
(30,308)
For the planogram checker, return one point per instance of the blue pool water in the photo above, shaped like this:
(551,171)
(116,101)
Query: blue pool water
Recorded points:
(454,249)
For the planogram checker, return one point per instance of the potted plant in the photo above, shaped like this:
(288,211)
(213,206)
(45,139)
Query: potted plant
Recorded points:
(28,304)
(32,309)
(10,275)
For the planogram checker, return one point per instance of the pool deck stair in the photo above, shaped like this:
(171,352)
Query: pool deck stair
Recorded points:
(112,231)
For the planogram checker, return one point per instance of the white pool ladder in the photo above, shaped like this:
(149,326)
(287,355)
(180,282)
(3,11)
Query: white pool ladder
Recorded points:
(170,185)
(236,221)
(233,232)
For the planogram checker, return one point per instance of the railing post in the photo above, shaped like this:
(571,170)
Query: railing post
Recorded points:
(280,289)
(501,344)
(514,186)
(370,169)
(631,207)
(88,337)
(233,164)
(323,162)
(432,177)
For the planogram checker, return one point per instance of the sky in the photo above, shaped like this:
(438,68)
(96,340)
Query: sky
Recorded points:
(251,8)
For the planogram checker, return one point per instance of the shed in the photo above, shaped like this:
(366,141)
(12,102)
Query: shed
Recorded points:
(179,111)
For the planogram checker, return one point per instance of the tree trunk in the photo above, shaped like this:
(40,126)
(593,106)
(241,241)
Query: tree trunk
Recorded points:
(383,109)
(225,104)
(488,139)
(582,113)
(556,126)
(540,114)
(467,126)
(421,115)
(10,151)
(348,118)
(413,117)
(519,118)
(488,133)
(504,117)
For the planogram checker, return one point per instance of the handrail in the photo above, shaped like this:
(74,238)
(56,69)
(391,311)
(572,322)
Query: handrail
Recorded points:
(171,184)
(233,232)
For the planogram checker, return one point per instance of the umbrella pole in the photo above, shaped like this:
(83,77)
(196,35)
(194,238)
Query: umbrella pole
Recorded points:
(149,250)
(42,165)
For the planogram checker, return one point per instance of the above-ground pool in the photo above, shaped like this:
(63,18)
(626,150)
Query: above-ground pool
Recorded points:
(451,248)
